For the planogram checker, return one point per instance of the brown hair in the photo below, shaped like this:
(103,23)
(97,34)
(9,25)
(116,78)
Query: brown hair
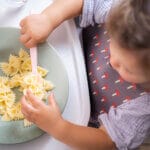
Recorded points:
(129,24)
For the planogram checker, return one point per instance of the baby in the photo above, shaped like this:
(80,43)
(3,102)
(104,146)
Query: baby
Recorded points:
(128,25)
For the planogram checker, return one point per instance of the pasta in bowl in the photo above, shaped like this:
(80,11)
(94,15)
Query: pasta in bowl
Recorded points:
(16,78)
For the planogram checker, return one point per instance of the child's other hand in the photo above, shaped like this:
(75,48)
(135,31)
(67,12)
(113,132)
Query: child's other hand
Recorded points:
(35,29)
(44,116)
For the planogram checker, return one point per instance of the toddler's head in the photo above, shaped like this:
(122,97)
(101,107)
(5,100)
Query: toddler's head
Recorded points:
(128,25)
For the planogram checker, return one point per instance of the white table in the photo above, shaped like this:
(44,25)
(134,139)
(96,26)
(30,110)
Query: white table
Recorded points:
(65,39)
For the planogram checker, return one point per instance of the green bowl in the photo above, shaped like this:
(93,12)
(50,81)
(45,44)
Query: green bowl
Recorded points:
(13,131)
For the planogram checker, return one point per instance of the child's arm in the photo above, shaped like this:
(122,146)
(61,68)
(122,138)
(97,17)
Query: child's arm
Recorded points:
(36,28)
(48,118)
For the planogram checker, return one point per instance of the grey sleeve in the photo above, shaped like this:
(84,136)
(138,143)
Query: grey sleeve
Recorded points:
(95,11)
(128,124)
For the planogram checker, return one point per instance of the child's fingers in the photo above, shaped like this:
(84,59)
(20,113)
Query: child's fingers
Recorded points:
(34,100)
(30,43)
(23,30)
(26,108)
(51,99)
(22,22)
(24,38)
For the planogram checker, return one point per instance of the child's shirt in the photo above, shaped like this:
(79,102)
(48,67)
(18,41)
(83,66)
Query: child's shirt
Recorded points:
(129,123)
(95,11)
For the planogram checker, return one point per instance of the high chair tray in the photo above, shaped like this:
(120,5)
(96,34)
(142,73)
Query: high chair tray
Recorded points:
(66,41)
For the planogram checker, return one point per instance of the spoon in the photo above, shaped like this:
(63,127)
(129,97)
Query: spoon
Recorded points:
(33,55)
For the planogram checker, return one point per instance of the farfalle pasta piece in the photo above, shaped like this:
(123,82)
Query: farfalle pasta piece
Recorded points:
(13,113)
(43,72)
(12,67)
(47,85)
(6,68)
(14,60)
(6,117)
(15,81)
(4,81)
(27,123)
(23,54)
(25,66)
(7,99)
(34,84)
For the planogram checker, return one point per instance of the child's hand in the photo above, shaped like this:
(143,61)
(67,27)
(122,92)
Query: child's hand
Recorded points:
(35,29)
(44,116)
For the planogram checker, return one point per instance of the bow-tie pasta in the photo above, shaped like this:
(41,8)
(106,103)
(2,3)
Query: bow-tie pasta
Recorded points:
(18,75)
